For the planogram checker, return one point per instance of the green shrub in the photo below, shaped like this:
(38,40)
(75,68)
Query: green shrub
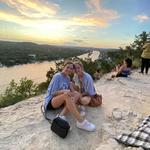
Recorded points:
(90,66)
(106,66)
(117,57)
(43,86)
(50,74)
(136,63)
(17,92)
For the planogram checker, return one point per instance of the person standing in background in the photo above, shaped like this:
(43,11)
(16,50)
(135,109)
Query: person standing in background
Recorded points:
(145,57)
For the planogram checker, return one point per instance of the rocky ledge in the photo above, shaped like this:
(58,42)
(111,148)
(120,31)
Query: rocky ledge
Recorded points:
(126,101)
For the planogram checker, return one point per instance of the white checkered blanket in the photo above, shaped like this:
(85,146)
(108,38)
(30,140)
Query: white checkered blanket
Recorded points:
(140,137)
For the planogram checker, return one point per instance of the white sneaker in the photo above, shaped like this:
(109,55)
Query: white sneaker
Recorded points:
(86,125)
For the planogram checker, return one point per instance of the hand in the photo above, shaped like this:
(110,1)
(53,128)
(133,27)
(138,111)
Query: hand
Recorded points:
(65,91)
(61,92)
(69,93)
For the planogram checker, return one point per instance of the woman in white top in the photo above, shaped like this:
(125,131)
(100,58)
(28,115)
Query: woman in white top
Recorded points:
(85,83)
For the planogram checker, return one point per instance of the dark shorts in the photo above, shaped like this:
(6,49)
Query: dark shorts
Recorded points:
(121,75)
(49,106)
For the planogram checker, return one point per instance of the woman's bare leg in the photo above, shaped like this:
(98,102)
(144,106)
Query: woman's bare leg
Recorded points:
(64,111)
(85,100)
(64,98)
(75,97)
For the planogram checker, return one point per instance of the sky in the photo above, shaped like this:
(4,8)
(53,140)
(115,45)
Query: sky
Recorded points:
(90,23)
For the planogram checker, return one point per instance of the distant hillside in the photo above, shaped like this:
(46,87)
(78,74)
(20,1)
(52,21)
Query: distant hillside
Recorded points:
(13,53)
(109,49)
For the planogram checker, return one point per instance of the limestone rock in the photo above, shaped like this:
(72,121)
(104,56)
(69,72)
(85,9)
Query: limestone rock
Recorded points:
(125,104)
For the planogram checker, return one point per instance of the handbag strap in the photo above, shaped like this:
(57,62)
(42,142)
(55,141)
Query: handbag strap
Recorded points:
(44,112)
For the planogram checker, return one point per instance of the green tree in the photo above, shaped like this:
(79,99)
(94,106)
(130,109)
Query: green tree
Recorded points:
(140,40)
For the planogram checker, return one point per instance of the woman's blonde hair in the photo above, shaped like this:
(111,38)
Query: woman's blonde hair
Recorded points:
(79,63)
(68,62)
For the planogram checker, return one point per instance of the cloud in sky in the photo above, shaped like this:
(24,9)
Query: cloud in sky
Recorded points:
(96,15)
(29,13)
(32,13)
(95,7)
(33,9)
(78,40)
(142,18)
(47,19)
(89,20)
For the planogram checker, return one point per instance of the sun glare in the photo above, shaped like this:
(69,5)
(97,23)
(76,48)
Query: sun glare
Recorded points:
(54,29)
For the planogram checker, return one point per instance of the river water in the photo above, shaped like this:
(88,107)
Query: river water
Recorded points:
(36,72)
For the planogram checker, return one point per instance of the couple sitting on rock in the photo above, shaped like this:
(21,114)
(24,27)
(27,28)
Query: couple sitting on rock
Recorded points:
(62,92)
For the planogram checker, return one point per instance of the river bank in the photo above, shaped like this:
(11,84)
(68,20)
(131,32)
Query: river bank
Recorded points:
(36,72)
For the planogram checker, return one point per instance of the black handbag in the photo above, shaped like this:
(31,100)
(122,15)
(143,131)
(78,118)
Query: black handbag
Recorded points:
(58,125)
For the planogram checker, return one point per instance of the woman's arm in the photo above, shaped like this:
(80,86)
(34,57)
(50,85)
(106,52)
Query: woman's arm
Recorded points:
(118,67)
(74,87)
(90,89)
(53,88)
(60,92)
(121,69)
